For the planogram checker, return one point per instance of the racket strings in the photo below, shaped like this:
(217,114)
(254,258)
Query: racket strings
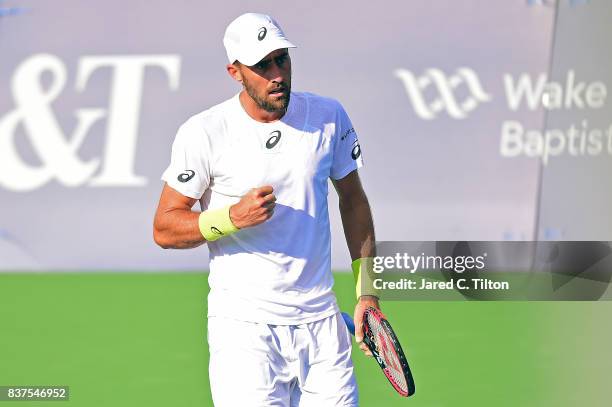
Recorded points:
(384,345)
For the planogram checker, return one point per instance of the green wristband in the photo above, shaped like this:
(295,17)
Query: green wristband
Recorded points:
(363,275)
(216,223)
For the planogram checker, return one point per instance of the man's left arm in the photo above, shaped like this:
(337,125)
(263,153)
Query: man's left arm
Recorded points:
(359,232)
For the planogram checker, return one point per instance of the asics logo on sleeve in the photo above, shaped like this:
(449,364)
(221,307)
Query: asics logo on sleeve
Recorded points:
(262,33)
(273,140)
(356,151)
(186,176)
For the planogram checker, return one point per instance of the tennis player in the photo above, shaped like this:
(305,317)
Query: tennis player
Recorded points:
(259,165)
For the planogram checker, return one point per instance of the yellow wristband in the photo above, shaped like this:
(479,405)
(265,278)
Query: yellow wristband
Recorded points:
(364,277)
(216,223)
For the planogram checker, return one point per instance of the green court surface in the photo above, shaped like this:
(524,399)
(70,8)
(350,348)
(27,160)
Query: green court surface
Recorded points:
(138,339)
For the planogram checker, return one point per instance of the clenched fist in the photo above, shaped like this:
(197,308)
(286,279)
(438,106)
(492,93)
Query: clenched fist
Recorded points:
(255,207)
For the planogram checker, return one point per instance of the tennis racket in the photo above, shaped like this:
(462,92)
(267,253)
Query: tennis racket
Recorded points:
(386,349)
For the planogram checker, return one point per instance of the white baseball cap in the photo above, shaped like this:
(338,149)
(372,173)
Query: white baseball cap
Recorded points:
(252,36)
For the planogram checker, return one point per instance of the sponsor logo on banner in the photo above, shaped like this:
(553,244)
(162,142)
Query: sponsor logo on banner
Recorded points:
(446,90)
(552,3)
(522,92)
(57,149)
(577,140)
(11,11)
(8,11)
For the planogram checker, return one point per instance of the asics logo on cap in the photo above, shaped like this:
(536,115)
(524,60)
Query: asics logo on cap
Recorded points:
(186,176)
(262,33)
(240,38)
(273,141)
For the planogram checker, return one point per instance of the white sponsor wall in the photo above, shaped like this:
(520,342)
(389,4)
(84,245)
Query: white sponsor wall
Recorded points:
(463,111)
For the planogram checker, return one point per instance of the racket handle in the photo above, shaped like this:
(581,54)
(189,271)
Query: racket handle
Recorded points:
(348,320)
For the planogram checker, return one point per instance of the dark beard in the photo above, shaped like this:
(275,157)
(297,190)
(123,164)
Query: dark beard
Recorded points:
(279,105)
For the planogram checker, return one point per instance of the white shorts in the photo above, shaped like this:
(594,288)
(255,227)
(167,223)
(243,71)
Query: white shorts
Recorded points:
(258,365)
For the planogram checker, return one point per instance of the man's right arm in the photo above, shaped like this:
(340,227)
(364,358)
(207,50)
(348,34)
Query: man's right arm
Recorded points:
(176,226)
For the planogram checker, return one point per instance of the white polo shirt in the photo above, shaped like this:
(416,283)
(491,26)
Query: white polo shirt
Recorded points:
(278,272)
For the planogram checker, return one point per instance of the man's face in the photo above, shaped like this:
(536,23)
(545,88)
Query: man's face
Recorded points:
(268,82)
